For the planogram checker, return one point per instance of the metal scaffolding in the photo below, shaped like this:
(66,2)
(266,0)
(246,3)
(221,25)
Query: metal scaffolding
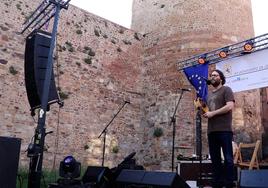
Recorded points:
(235,50)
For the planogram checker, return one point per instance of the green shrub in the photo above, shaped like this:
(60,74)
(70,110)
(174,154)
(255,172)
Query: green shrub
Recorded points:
(79,32)
(97,33)
(158,132)
(12,70)
(115,149)
(86,147)
(63,95)
(88,60)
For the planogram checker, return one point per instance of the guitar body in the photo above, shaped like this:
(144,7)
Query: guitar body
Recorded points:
(200,104)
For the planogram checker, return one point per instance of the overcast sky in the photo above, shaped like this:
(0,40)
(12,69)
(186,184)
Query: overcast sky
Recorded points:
(119,11)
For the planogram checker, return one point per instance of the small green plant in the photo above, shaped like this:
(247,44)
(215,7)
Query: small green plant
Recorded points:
(158,132)
(119,49)
(88,60)
(12,70)
(48,177)
(18,6)
(86,48)
(105,36)
(91,53)
(86,147)
(136,36)
(97,33)
(115,149)
(71,49)
(4,28)
(113,41)
(63,95)
(78,64)
(127,42)
(68,43)
(121,31)
(69,46)
(79,32)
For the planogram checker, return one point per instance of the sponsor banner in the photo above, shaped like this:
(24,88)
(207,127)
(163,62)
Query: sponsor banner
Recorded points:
(246,72)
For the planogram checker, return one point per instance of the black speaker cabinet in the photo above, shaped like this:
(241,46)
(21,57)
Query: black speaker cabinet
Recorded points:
(9,160)
(147,179)
(98,177)
(35,66)
(254,178)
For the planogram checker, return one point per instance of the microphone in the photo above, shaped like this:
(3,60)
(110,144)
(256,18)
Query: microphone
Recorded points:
(127,101)
(185,89)
(207,80)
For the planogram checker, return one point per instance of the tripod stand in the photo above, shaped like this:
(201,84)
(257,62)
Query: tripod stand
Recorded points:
(104,131)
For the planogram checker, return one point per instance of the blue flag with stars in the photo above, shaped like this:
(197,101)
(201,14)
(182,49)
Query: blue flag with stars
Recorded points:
(197,76)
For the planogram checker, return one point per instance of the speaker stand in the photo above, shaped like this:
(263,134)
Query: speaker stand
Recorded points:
(35,22)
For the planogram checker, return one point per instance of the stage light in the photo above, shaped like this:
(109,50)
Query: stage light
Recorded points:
(69,168)
(248,46)
(223,53)
(202,59)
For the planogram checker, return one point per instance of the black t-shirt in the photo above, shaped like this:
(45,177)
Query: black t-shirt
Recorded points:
(216,100)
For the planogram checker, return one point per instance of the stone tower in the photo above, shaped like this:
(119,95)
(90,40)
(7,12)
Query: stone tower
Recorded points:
(173,31)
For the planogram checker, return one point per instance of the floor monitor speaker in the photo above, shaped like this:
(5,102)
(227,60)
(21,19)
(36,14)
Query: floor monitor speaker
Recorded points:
(98,177)
(254,178)
(9,161)
(147,179)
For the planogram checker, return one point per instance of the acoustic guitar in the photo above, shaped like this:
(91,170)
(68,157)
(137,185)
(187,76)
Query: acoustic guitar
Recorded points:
(201,105)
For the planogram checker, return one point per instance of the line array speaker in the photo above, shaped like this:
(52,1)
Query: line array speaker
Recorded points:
(35,66)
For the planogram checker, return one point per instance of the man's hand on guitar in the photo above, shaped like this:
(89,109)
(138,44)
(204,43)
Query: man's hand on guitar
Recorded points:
(209,114)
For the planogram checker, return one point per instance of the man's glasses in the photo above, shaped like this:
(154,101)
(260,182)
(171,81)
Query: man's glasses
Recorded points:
(214,75)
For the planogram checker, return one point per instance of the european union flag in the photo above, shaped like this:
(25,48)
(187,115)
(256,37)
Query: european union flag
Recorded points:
(197,76)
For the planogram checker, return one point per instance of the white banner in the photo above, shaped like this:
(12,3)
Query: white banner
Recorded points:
(246,72)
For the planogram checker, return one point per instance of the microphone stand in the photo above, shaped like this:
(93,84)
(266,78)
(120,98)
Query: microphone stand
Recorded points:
(104,131)
(199,143)
(173,122)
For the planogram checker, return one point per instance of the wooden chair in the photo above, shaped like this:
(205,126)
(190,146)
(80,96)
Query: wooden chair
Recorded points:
(253,162)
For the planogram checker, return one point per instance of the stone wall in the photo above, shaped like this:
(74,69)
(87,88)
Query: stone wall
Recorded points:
(99,66)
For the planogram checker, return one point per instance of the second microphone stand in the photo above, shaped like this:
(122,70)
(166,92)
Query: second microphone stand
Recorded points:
(104,131)
(173,122)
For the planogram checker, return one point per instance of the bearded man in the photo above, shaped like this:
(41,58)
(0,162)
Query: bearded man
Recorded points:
(220,103)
